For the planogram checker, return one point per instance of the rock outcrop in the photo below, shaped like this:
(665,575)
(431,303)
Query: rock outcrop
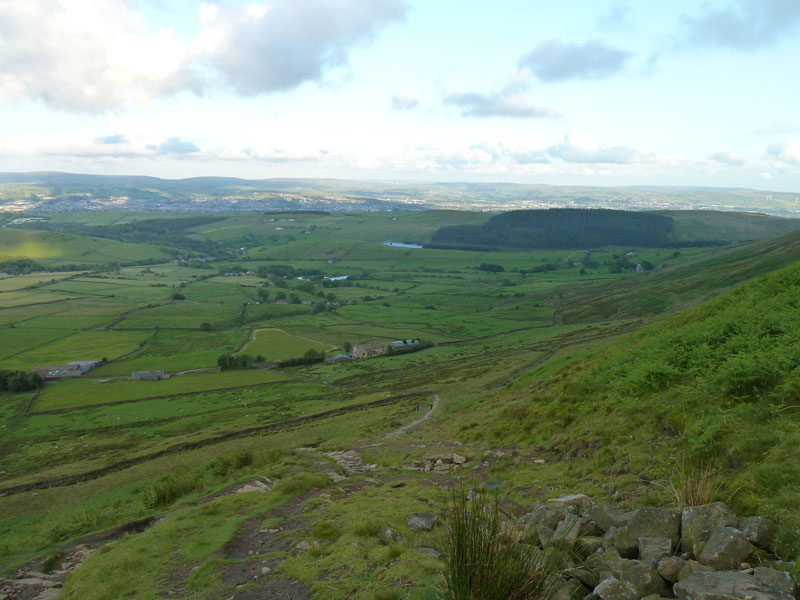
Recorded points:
(700,553)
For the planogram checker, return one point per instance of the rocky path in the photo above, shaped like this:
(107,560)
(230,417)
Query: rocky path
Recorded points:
(419,421)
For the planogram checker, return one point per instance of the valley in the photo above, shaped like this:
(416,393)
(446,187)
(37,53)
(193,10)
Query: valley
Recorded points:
(544,371)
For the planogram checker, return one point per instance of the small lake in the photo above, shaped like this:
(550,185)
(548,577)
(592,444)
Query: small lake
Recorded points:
(402,245)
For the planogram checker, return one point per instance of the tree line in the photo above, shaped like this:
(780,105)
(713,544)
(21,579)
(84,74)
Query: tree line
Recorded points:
(563,228)
(19,381)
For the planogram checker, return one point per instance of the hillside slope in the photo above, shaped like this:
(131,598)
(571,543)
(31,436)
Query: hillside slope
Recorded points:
(715,387)
(50,249)
(664,290)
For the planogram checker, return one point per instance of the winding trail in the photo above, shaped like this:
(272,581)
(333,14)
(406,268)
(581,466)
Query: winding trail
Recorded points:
(419,421)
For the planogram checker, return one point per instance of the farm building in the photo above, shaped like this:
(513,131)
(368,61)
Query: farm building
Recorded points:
(335,358)
(403,343)
(149,375)
(374,349)
(371,350)
(71,369)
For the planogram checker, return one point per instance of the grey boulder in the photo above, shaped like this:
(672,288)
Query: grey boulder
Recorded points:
(421,521)
(759,531)
(726,549)
(726,585)
(614,589)
(647,522)
(698,522)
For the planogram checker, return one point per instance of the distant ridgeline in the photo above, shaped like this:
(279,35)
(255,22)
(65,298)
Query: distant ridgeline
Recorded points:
(563,228)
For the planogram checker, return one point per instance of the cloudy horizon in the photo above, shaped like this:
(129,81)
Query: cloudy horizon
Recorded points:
(584,93)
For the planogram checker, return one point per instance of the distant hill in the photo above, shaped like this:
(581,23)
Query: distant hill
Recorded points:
(58,192)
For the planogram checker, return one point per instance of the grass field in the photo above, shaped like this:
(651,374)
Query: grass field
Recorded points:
(276,344)
(85,392)
(502,339)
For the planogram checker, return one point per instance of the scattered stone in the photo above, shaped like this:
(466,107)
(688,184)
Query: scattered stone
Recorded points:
(726,549)
(350,461)
(336,477)
(670,567)
(611,564)
(607,516)
(540,514)
(399,484)
(708,585)
(570,589)
(690,568)
(303,546)
(777,579)
(265,570)
(698,522)
(545,535)
(421,521)
(510,508)
(565,501)
(585,576)
(432,552)
(261,487)
(644,578)
(653,548)
(566,534)
(647,522)
(458,459)
(588,545)
(614,589)
(759,531)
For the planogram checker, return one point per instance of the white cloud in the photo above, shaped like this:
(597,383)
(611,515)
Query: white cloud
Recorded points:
(405,101)
(83,55)
(786,154)
(177,145)
(98,55)
(258,50)
(554,60)
(473,104)
(726,157)
(745,25)
(583,148)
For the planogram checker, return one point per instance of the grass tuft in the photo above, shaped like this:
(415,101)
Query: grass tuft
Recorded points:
(694,485)
(485,559)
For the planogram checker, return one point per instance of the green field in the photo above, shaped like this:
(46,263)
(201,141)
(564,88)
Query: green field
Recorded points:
(588,375)
(276,344)
(86,392)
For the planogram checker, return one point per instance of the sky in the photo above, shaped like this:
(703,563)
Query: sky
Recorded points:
(577,92)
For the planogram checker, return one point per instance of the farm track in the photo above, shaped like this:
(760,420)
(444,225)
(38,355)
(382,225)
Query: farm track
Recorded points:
(271,427)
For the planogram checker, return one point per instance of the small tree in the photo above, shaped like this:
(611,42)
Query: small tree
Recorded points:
(205,326)
(348,347)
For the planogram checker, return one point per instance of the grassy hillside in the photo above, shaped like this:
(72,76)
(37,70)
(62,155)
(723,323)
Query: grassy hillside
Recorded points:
(717,387)
(53,249)
(671,288)
(693,225)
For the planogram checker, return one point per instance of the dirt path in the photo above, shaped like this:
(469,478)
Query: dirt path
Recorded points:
(419,421)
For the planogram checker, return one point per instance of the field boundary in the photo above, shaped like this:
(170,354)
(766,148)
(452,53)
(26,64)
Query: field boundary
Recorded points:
(56,411)
(270,427)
